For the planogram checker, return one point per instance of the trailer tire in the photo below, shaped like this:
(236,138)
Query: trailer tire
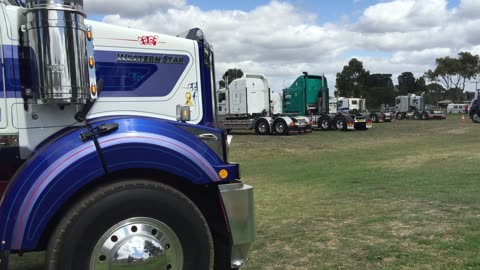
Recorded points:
(325,123)
(106,225)
(399,116)
(340,123)
(416,115)
(374,118)
(262,127)
(424,115)
(280,126)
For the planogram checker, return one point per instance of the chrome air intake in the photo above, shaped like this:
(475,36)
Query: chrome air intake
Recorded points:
(57,37)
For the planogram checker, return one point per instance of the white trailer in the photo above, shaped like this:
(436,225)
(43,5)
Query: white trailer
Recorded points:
(246,104)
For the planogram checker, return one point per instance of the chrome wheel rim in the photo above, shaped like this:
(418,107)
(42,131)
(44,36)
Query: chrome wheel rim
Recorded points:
(262,127)
(339,124)
(325,124)
(280,127)
(138,241)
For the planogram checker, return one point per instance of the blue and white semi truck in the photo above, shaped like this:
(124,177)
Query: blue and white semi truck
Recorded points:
(109,153)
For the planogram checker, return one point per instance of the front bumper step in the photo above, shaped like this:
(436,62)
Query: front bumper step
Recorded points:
(238,201)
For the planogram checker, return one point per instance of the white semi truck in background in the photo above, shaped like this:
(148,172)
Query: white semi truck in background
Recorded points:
(245,104)
(414,107)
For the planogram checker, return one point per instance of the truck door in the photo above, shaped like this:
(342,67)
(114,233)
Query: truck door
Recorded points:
(3,94)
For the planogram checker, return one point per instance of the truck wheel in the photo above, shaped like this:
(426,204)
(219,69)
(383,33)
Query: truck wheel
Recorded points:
(262,127)
(476,117)
(341,123)
(424,115)
(280,126)
(399,116)
(416,116)
(128,225)
(374,118)
(325,123)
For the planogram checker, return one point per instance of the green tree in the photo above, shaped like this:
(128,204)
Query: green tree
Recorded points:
(406,83)
(379,90)
(231,74)
(453,72)
(469,67)
(351,81)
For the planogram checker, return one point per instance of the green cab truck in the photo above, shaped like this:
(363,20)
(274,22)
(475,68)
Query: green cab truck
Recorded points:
(309,96)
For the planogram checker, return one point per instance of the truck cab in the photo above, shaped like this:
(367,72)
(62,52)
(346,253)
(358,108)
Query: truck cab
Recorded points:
(110,155)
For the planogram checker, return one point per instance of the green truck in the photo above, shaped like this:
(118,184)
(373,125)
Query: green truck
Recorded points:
(308,96)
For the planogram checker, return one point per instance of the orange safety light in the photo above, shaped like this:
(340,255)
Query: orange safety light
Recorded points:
(91,62)
(223,173)
(93,89)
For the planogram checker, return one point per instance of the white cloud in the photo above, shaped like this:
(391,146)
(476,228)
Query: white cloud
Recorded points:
(403,16)
(468,8)
(280,41)
(131,9)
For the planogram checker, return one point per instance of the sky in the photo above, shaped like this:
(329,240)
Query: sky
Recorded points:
(282,38)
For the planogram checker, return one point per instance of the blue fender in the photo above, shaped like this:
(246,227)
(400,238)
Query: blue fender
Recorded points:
(55,169)
(61,167)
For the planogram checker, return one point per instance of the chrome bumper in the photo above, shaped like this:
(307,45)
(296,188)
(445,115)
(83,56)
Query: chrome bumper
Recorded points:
(238,201)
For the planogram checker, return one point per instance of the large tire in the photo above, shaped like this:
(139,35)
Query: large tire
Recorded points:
(374,117)
(399,116)
(424,116)
(476,117)
(416,115)
(325,123)
(340,123)
(132,215)
(262,127)
(280,126)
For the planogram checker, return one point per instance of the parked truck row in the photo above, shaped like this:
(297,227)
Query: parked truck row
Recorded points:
(248,104)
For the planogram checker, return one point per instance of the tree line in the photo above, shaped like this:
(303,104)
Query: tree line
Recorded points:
(447,81)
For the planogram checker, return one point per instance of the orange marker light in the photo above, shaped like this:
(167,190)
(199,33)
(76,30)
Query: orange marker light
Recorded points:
(223,173)
(91,62)
(93,89)
(89,35)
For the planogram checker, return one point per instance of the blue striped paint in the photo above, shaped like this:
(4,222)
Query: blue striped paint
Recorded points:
(64,164)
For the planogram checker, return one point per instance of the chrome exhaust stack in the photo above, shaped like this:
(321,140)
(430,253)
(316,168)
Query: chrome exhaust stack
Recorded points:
(58,39)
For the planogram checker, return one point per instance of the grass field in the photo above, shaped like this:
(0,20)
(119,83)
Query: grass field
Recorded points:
(403,195)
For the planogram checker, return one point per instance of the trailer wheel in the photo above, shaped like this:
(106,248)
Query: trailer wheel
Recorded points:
(424,115)
(399,116)
(374,118)
(416,115)
(280,126)
(262,127)
(340,123)
(325,123)
(131,224)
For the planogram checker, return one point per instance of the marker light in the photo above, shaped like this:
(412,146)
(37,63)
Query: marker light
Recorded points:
(91,62)
(223,173)
(93,90)
(89,35)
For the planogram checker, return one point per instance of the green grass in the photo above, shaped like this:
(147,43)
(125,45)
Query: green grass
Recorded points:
(403,195)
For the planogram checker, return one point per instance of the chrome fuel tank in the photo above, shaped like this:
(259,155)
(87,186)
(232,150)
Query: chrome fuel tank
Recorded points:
(57,38)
